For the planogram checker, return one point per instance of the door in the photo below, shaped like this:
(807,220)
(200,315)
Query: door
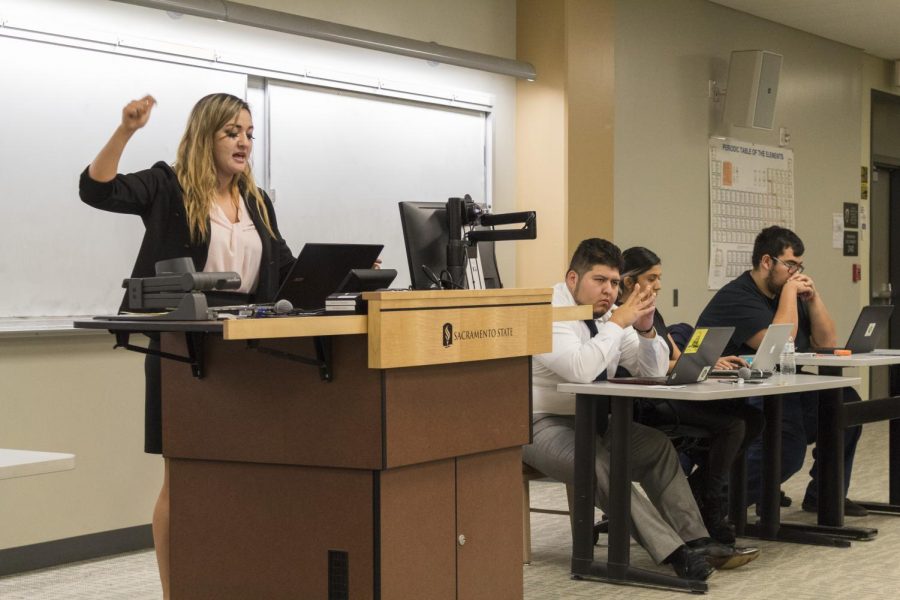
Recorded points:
(881,261)
(489,525)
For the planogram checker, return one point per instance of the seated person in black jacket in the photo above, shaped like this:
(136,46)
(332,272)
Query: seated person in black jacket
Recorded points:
(732,424)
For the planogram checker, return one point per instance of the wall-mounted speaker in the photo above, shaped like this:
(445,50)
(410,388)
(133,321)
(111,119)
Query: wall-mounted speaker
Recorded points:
(752,88)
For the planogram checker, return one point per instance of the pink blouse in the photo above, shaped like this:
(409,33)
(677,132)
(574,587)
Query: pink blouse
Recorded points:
(234,247)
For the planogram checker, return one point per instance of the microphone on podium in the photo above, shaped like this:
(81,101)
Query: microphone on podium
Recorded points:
(281,307)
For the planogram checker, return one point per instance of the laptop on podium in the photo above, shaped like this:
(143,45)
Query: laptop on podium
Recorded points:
(319,271)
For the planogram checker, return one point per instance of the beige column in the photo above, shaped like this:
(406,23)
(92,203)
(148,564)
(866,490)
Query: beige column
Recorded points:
(564,130)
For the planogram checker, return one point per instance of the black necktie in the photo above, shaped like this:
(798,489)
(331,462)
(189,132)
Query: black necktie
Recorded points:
(592,327)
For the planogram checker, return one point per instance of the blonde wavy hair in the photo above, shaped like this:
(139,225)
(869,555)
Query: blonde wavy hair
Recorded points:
(196,169)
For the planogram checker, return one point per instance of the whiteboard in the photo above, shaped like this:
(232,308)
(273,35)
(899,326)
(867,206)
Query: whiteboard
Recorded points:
(59,256)
(341,161)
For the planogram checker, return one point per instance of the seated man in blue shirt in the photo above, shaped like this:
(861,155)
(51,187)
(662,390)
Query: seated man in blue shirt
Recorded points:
(777,291)
(667,521)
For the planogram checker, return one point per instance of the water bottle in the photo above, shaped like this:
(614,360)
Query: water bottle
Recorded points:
(788,360)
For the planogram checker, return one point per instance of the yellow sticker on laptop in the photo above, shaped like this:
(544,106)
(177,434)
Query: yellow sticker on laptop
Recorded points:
(694,344)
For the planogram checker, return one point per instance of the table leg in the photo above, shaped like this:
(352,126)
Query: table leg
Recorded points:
(830,453)
(620,492)
(770,498)
(617,569)
(769,526)
(894,458)
(585,482)
(893,504)
(737,494)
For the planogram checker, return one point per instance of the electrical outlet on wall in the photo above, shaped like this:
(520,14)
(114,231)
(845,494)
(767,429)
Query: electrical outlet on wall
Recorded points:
(784,137)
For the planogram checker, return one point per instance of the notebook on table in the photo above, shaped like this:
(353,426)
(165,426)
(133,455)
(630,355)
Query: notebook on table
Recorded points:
(872,321)
(700,354)
(767,355)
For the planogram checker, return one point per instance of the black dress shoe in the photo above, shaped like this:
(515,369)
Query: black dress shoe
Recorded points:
(851,508)
(689,565)
(723,556)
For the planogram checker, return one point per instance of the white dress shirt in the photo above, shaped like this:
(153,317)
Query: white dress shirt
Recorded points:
(579,358)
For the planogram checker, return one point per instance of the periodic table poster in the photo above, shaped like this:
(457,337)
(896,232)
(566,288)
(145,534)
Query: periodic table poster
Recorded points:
(750,187)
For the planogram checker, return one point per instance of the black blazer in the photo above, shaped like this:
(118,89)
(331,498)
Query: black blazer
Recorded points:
(155,195)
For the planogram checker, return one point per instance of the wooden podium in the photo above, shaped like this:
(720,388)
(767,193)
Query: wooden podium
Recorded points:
(400,478)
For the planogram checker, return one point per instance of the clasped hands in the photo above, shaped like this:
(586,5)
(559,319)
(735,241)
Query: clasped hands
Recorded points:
(637,311)
(804,286)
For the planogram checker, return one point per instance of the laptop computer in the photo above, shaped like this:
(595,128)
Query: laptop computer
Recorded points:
(872,321)
(767,355)
(320,269)
(366,280)
(700,354)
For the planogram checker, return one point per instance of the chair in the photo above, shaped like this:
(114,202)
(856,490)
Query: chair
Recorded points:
(530,474)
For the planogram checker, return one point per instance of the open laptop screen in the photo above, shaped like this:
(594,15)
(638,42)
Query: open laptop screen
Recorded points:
(320,269)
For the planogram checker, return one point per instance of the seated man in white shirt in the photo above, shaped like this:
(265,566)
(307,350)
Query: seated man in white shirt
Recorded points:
(668,524)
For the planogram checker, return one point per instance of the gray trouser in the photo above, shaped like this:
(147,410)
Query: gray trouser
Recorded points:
(670,517)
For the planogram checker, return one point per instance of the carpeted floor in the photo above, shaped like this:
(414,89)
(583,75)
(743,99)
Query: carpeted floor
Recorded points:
(867,570)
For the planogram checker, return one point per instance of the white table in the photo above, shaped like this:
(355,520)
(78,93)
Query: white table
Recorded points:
(869,359)
(834,417)
(22,463)
(620,397)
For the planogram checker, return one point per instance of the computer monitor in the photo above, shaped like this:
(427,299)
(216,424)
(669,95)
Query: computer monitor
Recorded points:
(426,235)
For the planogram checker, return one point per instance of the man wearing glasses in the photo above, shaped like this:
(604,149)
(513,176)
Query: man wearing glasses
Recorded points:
(777,291)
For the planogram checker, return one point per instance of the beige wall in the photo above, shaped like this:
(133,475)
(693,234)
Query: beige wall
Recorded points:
(565,130)
(541,141)
(665,54)
(655,57)
(591,123)
(479,25)
(74,394)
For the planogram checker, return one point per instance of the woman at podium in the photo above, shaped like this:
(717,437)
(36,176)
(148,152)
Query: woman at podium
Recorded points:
(206,206)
